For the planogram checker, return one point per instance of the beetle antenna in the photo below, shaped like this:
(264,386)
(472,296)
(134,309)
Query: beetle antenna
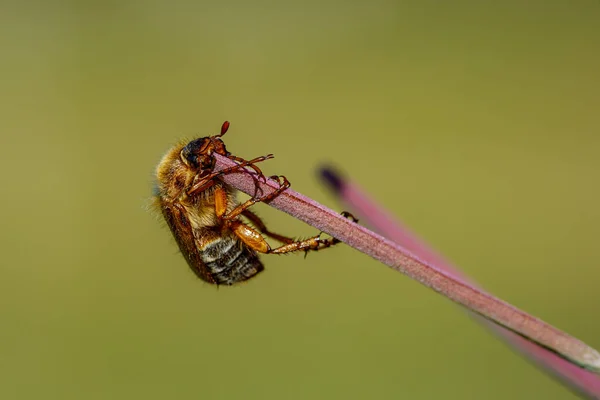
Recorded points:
(224,128)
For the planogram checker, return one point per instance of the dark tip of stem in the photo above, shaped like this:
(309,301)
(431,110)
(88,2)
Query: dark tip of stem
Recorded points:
(332,178)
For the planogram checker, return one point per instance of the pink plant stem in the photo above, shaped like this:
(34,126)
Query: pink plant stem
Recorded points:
(582,381)
(398,258)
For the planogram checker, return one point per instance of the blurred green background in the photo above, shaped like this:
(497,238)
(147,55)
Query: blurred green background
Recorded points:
(477,124)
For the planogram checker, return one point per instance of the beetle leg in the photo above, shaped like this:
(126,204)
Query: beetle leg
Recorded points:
(201,185)
(283,184)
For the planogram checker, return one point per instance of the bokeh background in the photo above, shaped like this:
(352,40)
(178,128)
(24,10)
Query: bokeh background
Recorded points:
(476,124)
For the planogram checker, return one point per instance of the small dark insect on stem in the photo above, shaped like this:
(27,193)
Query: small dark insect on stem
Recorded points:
(401,260)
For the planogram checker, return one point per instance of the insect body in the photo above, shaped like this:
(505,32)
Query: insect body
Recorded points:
(205,217)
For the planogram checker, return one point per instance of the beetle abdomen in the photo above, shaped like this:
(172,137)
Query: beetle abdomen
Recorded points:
(230,261)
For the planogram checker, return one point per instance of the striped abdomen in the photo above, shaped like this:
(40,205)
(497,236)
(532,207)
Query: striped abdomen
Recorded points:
(229,260)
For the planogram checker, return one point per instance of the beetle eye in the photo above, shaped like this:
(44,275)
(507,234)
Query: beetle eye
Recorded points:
(188,158)
(185,157)
(191,153)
